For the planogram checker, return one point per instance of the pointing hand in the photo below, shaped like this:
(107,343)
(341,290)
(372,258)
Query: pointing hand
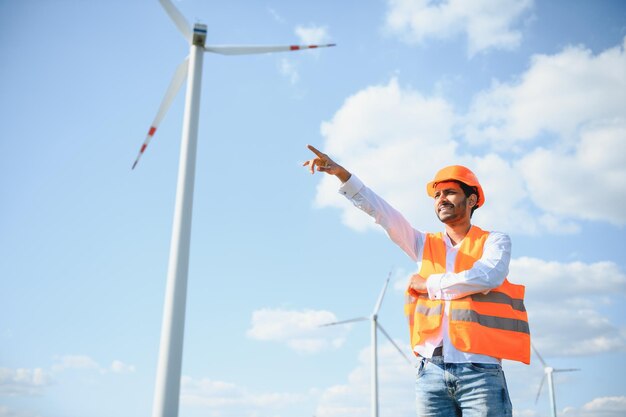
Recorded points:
(323,163)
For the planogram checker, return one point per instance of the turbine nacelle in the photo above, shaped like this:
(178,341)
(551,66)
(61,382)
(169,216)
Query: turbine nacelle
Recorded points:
(199,35)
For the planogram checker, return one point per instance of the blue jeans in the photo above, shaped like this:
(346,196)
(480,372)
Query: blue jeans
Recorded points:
(461,389)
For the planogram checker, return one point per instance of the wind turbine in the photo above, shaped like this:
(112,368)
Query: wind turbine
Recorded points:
(167,390)
(548,371)
(375,326)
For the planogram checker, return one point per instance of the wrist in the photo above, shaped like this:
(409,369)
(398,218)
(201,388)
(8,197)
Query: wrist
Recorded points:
(343,174)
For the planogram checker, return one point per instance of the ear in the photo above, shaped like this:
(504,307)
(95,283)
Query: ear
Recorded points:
(472,200)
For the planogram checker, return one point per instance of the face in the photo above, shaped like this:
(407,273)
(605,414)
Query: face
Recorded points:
(451,205)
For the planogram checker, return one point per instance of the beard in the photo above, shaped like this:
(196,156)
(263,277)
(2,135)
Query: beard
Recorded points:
(450,213)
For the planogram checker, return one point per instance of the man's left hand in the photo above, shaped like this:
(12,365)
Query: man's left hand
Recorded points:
(417,285)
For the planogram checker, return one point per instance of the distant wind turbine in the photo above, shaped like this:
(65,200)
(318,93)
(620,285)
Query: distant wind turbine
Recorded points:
(375,325)
(167,389)
(548,371)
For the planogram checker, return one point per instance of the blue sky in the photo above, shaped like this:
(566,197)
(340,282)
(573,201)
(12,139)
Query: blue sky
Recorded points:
(530,95)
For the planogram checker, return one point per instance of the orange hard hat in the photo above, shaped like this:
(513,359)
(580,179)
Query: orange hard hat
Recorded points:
(458,173)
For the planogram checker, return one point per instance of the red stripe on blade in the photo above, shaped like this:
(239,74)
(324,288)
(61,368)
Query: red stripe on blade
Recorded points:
(151,131)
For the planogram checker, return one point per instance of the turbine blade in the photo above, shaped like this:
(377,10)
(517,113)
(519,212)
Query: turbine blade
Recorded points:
(539,356)
(344,321)
(259,49)
(178,18)
(543,379)
(393,343)
(382,294)
(170,94)
(567,370)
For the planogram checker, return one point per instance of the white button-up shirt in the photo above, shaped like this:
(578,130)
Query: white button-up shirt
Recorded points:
(487,273)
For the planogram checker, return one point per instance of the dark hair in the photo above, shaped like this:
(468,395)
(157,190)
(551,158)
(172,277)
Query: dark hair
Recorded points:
(468,190)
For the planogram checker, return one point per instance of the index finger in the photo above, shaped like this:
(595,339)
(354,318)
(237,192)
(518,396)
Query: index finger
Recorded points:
(315,151)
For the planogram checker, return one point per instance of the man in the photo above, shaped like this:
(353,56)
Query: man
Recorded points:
(464,315)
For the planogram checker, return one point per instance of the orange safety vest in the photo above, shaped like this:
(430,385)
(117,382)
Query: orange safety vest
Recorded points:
(493,324)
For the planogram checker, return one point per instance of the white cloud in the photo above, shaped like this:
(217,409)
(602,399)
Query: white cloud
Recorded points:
(586,182)
(558,94)
(396,138)
(86,363)
(120,367)
(599,407)
(573,102)
(379,130)
(300,330)
(352,399)
(546,278)
(23,382)
(8,412)
(487,23)
(564,303)
(75,362)
(32,382)
(312,35)
(559,329)
(225,398)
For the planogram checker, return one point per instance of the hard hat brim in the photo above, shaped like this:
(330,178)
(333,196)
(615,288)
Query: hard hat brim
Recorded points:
(430,189)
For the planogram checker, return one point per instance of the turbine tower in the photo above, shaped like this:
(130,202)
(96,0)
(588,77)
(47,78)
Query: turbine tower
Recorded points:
(549,371)
(167,390)
(374,327)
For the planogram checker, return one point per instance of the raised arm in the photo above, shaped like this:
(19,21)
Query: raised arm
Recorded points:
(397,227)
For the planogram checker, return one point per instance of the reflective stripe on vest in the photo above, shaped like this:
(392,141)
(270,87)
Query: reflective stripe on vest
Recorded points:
(498,297)
(501,323)
(493,324)
(429,311)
